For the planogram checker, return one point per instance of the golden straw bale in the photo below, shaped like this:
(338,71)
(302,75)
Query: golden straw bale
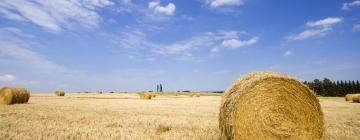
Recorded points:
(175,94)
(348,97)
(191,94)
(14,95)
(356,98)
(60,93)
(268,105)
(145,95)
(197,95)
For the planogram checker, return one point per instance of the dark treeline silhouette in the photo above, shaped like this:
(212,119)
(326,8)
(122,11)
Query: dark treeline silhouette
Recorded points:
(327,87)
(159,88)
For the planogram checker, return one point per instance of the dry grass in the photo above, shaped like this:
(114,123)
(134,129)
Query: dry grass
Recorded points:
(125,116)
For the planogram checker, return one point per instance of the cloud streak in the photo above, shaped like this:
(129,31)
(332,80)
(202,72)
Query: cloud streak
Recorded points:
(236,43)
(7,78)
(210,42)
(317,28)
(327,22)
(220,3)
(54,15)
(350,5)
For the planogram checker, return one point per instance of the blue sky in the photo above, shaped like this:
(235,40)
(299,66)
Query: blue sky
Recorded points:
(131,45)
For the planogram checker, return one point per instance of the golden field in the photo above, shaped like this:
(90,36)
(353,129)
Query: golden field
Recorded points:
(125,116)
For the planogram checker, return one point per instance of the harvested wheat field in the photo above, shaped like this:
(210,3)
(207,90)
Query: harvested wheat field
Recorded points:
(125,116)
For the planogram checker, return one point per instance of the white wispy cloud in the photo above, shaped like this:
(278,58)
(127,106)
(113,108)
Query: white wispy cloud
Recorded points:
(158,9)
(16,32)
(236,43)
(7,78)
(356,27)
(287,53)
(317,28)
(187,46)
(10,15)
(349,5)
(219,3)
(309,33)
(210,42)
(327,22)
(214,50)
(18,58)
(54,15)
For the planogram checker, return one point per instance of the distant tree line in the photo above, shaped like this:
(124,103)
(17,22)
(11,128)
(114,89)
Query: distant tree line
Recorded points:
(327,87)
(159,88)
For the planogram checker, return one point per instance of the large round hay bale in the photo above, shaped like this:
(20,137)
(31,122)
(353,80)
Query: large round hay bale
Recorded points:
(60,93)
(348,97)
(268,105)
(356,98)
(13,95)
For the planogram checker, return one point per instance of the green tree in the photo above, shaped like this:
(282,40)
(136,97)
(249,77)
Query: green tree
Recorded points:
(318,87)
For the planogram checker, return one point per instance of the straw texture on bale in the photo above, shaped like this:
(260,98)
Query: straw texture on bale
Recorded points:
(145,95)
(268,105)
(60,93)
(348,97)
(13,95)
(356,98)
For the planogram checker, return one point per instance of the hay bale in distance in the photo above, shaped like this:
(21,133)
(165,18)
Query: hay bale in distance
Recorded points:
(191,94)
(348,97)
(356,98)
(60,93)
(145,95)
(14,95)
(194,94)
(268,105)
(197,95)
(153,95)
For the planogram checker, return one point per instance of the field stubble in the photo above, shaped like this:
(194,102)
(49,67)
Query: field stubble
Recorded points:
(125,116)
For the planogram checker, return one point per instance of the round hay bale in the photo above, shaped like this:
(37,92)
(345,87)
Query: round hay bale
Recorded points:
(268,105)
(348,97)
(356,98)
(197,95)
(13,95)
(60,93)
(145,95)
(191,94)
